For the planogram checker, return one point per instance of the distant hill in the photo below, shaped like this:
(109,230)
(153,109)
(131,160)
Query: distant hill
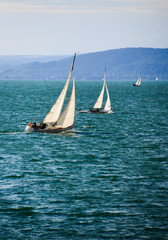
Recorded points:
(121,64)
(7,62)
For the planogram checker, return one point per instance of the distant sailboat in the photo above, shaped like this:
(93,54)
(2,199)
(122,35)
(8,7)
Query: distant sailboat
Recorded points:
(156,78)
(97,108)
(56,122)
(138,83)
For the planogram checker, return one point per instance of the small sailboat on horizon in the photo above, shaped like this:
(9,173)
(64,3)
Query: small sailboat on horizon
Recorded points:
(138,83)
(55,121)
(97,108)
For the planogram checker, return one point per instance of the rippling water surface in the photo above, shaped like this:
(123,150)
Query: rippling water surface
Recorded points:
(106,179)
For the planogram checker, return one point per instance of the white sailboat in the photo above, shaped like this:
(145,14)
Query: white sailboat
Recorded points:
(55,121)
(156,78)
(97,108)
(138,83)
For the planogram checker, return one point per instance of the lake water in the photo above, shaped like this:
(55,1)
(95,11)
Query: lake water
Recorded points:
(105,179)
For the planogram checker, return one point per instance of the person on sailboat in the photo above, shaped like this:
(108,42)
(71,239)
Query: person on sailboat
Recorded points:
(43,125)
(34,125)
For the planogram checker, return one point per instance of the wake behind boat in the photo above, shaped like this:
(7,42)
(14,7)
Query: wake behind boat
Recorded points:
(55,121)
(97,108)
(138,83)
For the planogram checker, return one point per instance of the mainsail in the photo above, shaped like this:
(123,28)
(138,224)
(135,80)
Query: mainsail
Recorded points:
(55,111)
(67,117)
(138,81)
(99,101)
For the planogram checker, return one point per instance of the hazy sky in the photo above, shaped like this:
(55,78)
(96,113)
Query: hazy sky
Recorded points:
(56,27)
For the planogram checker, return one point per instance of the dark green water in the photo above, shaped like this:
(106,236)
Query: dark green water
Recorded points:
(107,179)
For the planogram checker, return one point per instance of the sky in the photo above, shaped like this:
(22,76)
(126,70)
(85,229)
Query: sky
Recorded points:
(61,27)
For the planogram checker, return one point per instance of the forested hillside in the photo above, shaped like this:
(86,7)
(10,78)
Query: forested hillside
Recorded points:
(121,64)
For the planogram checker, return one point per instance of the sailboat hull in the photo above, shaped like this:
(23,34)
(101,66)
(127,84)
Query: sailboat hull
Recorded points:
(97,111)
(47,130)
(135,85)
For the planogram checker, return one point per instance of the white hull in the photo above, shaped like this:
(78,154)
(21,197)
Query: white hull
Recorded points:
(47,130)
(97,112)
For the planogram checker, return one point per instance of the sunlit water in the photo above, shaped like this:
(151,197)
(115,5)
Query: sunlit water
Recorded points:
(105,179)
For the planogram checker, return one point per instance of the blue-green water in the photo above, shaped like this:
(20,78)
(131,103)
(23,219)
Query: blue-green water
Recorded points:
(107,179)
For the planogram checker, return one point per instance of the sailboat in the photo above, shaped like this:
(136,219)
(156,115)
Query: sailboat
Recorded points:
(97,108)
(138,83)
(156,78)
(55,121)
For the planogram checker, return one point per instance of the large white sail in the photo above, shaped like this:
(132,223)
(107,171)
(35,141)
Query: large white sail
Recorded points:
(99,101)
(67,117)
(55,111)
(107,106)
